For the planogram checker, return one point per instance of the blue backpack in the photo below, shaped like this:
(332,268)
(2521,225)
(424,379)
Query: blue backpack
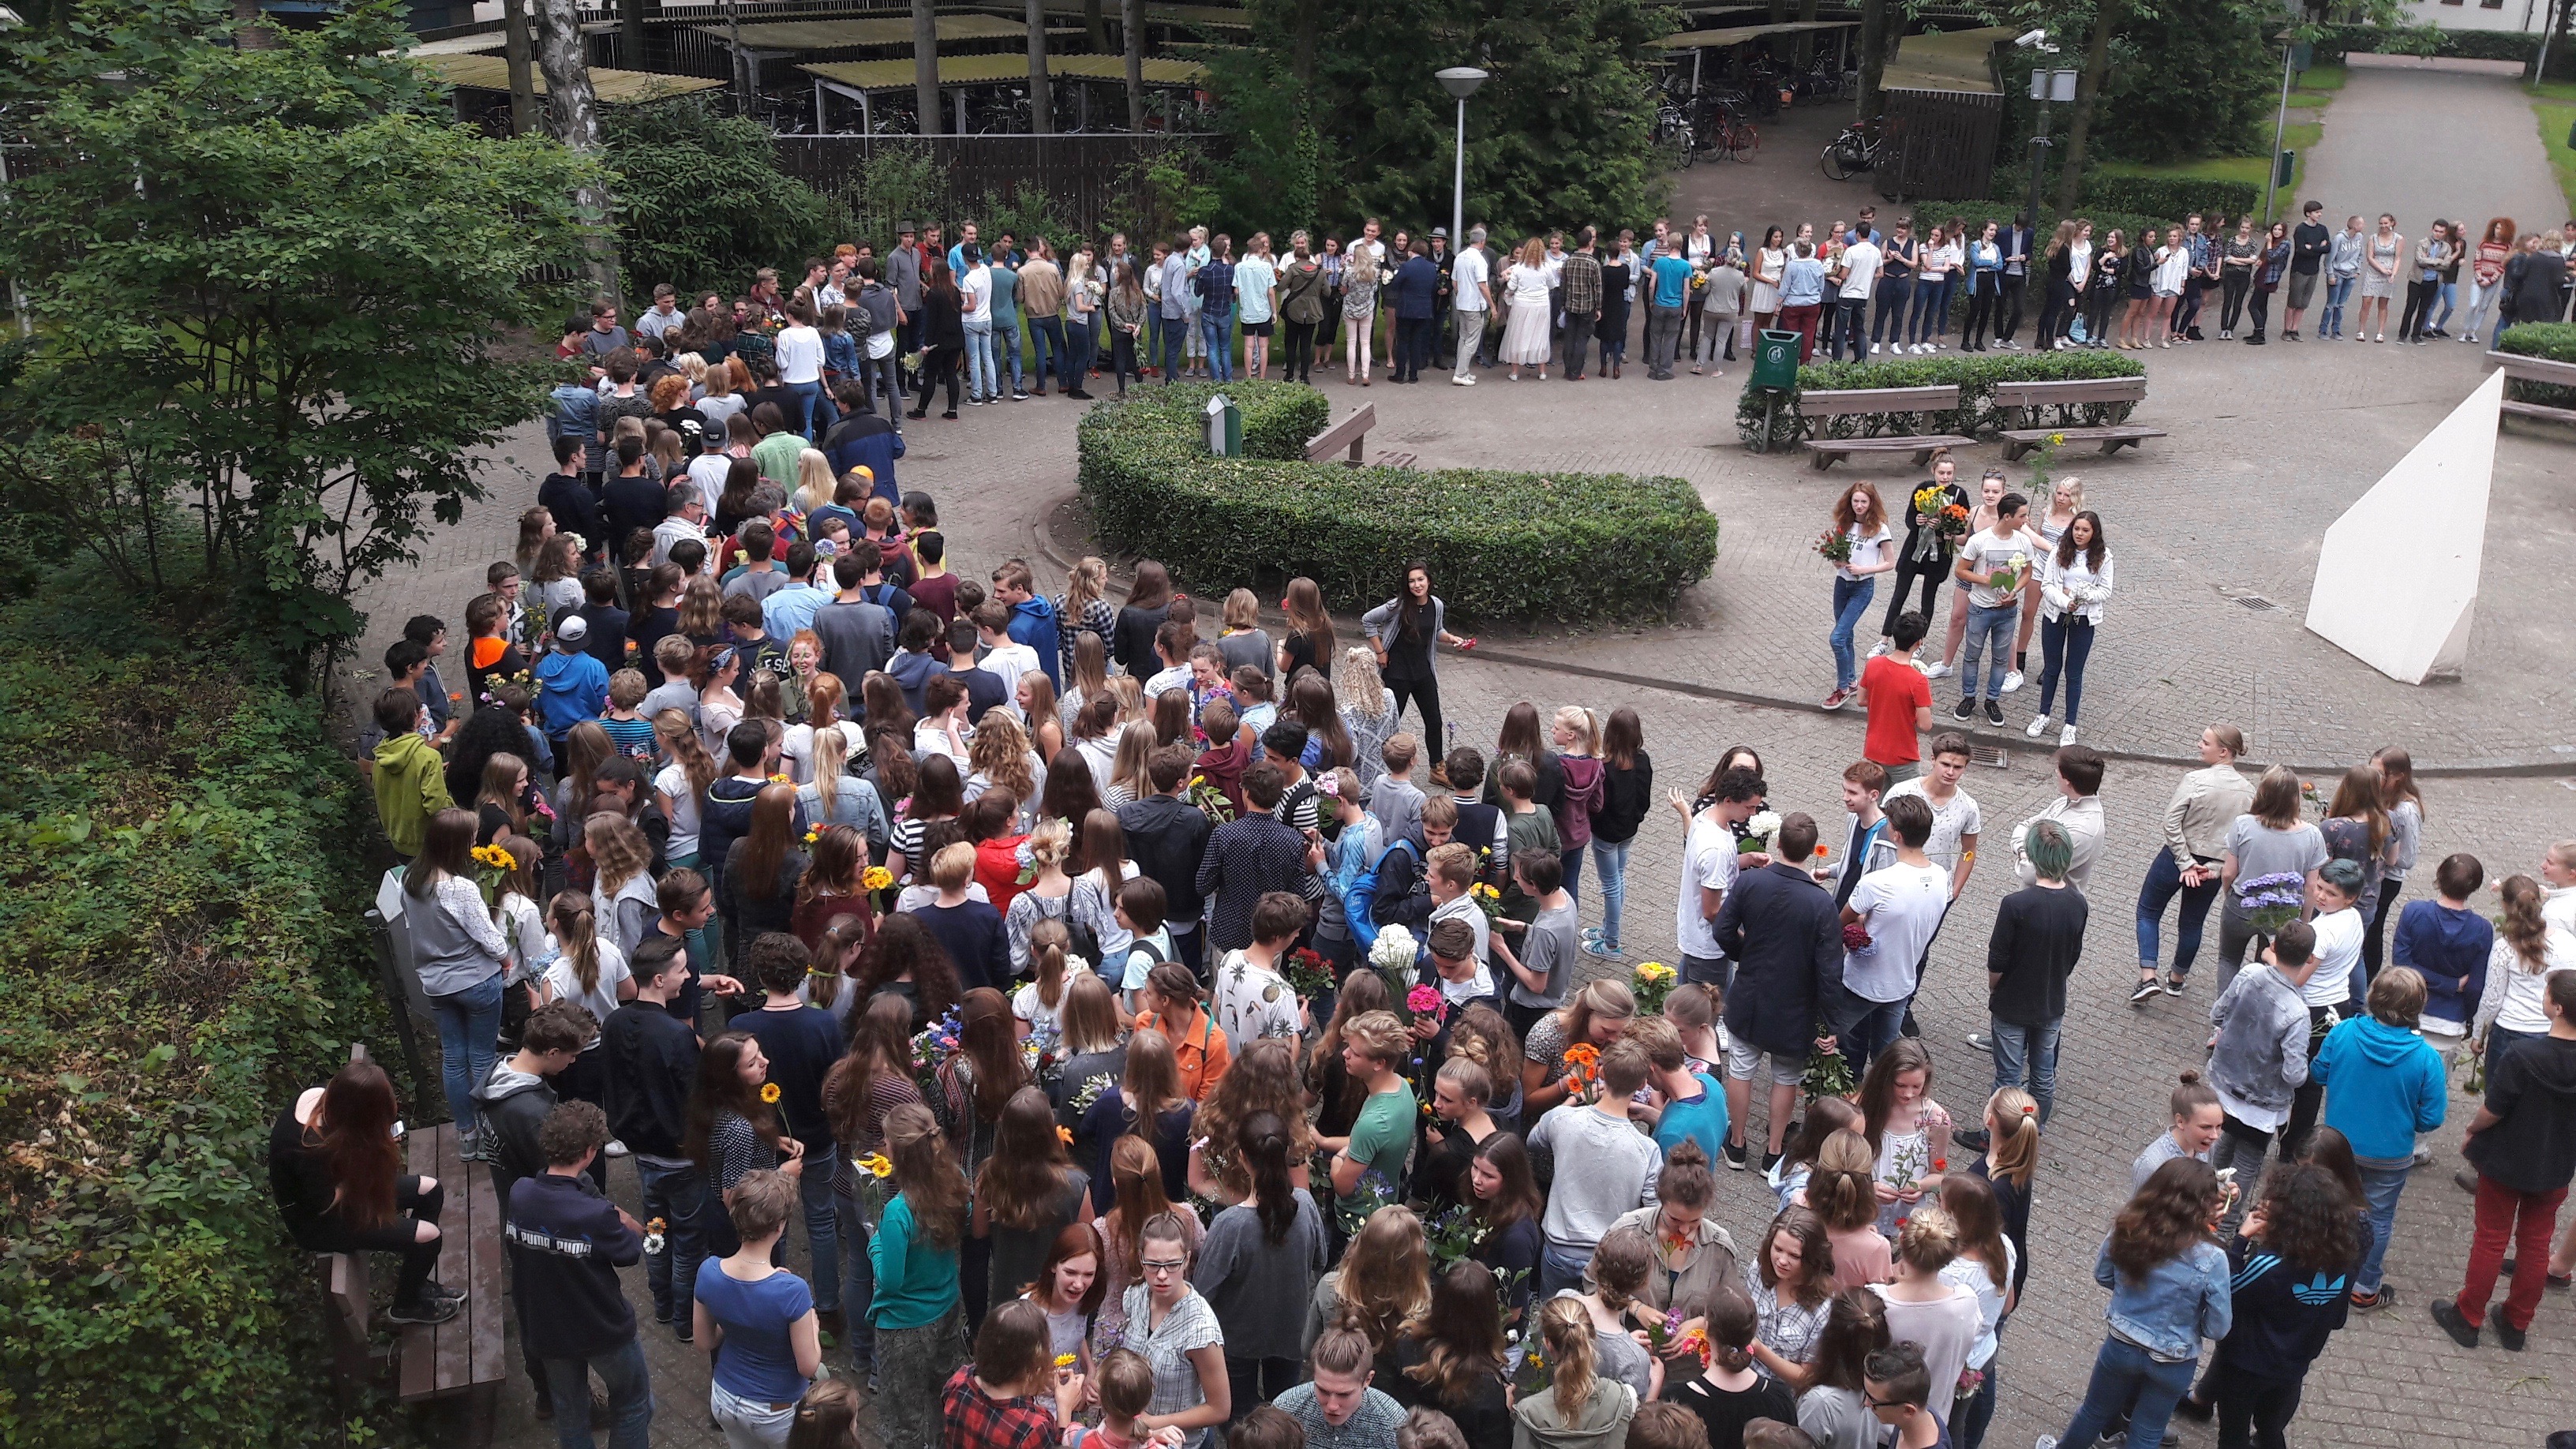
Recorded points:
(1359,901)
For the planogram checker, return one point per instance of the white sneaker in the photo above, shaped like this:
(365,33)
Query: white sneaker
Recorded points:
(2012,681)
(1462,380)
(1937,671)
(2066,736)
(2037,728)
(1873,349)
(1878,649)
(616,1148)
(2045,1441)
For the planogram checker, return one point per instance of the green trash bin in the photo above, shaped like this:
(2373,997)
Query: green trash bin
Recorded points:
(1775,359)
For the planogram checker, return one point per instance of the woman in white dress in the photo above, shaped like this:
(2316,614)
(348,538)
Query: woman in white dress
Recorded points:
(1525,338)
(1770,262)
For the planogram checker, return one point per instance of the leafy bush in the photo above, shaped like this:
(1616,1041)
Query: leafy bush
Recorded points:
(178,953)
(702,203)
(2168,196)
(2337,41)
(2555,341)
(1976,377)
(1501,544)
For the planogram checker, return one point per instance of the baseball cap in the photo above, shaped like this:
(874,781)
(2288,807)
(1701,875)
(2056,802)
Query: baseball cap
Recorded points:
(573,629)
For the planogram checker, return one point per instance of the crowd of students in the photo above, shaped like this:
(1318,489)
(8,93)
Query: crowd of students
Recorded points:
(1042,957)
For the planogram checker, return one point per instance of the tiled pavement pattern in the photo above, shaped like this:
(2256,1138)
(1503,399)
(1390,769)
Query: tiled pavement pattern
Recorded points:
(2307,427)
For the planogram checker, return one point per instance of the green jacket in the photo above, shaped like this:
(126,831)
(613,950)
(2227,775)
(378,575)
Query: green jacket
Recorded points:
(411,785)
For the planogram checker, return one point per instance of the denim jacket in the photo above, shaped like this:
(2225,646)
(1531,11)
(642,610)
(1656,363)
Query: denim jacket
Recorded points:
(2182,1301)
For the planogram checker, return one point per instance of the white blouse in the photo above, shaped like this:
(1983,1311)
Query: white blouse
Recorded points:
(2075,588)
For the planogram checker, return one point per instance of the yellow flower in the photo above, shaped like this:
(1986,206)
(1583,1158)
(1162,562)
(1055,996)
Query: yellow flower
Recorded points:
(874,1165)
(780,780)
(876,878)
(769,1092)
(2057,440)
(813,835)
(1066,1360)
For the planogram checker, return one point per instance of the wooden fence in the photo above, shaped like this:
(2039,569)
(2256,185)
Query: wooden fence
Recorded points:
(1940,144)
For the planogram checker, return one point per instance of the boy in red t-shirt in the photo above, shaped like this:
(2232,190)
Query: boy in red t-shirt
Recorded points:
(1899,699)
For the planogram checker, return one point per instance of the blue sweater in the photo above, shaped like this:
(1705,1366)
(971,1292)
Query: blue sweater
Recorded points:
(2181,1301)
(2449,949)
(2383,1085)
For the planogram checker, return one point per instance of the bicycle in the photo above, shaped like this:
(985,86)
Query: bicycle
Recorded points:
(1736,137)
(1674,134)
(1852,152)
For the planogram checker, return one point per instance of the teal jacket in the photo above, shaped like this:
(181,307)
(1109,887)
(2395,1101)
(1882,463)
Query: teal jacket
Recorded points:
(2383,1085)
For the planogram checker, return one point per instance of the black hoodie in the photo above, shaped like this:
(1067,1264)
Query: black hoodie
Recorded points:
(566,1244)
(2532,1088)
(509,1108)
(652,1064)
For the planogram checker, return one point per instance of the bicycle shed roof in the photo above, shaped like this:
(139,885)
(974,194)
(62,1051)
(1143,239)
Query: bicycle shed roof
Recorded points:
(788,35)
(967,70)
(613,87)
(1954,60)
(1738,35)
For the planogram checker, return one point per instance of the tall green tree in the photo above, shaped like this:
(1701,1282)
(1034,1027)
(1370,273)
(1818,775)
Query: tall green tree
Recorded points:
(1560,133)
(701,201)
(272,290)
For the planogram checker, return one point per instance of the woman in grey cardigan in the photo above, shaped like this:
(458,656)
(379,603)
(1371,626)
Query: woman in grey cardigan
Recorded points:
(460,953)
(1405,632)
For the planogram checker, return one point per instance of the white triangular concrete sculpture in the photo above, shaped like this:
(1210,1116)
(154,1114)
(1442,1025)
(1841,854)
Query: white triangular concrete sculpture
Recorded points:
(2397,579)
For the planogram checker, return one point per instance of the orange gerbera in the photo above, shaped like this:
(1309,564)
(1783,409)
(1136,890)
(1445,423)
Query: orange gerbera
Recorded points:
(1583,1056)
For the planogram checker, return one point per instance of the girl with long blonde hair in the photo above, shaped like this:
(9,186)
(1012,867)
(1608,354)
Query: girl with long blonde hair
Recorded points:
(623,892)
(815,484)
(1084,608)
(999,758)
(683,782)
(914,1251)
(1130,775)
(1384,1280)
(824,698)
(1578,1400)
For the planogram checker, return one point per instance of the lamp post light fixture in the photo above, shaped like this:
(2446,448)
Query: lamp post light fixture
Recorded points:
(1460,81)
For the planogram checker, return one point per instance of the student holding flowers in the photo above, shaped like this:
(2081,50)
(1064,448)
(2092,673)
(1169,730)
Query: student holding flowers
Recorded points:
(1937,519)
(1860,548)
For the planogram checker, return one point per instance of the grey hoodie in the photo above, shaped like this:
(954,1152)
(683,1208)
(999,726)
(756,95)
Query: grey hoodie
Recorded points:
(1601,1424)
(2261,1056)
(508,1109)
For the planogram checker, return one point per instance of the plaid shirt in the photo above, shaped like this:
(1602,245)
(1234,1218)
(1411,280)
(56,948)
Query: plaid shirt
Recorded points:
(1582,283)
(976,1418)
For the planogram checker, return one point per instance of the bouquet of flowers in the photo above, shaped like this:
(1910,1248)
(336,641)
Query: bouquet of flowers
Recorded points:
(2012,575)
(1373,1192)
(1489,900)
(1652,982)
(1392,958)
(1951,522)
(1089,1097)
(1210,801)
(1425,1001)
(493,868)
(1455,1236)
(931,1049)
(2272,901)
(1759,833)
(1534,1374)
(1660,1332)
(872,1173)
(1307,974)
(1828,1073)
(1582,1071)
(1835,545)
(1856,939)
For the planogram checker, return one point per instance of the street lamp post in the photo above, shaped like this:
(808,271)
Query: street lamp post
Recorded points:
(2045,86)
(1460,81)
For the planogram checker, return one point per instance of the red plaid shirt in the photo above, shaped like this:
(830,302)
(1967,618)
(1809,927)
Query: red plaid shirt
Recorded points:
(977,1420)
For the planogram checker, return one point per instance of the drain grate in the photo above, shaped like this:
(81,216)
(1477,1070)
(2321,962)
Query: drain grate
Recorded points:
(1989,755)
(2257,603)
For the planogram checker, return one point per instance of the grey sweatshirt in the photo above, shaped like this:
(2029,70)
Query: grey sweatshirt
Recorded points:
(2262,1051)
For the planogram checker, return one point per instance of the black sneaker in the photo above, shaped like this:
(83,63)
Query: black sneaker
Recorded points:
(436,1289)
(1994,711)
(1972,1138)
(1771,1161)
(2462,1332)
(2506,1334)
(2146,990)
(428,1310)
(1735,1155)
(1967,710)
(2198,1410)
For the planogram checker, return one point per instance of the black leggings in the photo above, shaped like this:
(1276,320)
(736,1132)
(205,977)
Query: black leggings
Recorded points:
(2375,944)
(1980,303)
(2231,308)
(1300,355)
(2097,311)
(1426,693)
(940,366)
(1122,357)
(399,1234)
(2253,1413)
(1931,571)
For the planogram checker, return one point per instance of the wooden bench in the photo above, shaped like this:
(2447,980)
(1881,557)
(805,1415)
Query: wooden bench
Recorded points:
(2518,368)
(1852,402)
(461,1358)
(2027,398)
(1349,433)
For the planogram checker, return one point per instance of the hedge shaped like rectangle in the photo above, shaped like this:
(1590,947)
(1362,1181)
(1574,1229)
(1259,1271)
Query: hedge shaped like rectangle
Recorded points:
(1976,377)
(2553,341)
(1502,545)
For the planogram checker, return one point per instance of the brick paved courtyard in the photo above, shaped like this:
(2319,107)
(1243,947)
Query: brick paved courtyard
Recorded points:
(2267,448)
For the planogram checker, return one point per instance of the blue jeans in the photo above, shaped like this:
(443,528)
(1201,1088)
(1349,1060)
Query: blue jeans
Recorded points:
(1994,623)
(1559,1270)
(678,1196)
(1969,1422)
(1216,334)
(2028,1053)
(979,362)
(2124,1376)
(2380,1188)
(1874,1032)
(1928,292)
(469,1026)
(2064,642)
(2163,883)
(630,1397)
(1075,361)
(1610,862)
(1006,349)
(801,397)
(1168,345)
(858,1279)
(822,1227)
(1851,601)
(1046,340)
(1887,324)
(2338,292)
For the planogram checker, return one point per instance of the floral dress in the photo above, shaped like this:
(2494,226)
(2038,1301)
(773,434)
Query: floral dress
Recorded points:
(1904,1158)
(1359,285)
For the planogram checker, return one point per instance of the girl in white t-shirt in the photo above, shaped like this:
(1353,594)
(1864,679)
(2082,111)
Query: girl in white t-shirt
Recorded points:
(588,969)
(1038,1007)
(1860,526)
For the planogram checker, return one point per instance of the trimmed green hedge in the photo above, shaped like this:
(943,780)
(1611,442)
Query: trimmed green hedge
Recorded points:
(2555,341)
(2339,41)
(1502,545)
(1976,375)
(179,951)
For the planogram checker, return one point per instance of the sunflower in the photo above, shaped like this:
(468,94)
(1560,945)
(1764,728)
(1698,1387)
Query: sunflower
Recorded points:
(769,1093)
(874,1165)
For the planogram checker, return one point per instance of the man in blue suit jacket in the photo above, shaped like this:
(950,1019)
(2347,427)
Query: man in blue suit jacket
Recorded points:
(1786,939)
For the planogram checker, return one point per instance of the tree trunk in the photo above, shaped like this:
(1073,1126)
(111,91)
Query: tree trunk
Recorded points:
(1131,26)
(1873,40)
(2088,85)
(1095,26)
(630,34)
(253,32)
(575,113)
(1041,100)
(925,67)
(1806,38)
(518,49)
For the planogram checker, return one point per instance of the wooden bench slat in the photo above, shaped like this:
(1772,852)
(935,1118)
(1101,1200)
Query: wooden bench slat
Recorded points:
(1843,402)
(2539,410)
(483,1275)
(416,1346)
(2113,438)
(2073,390)
(456,1335)
(2534,369)
(1348,433)
(1825,452)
